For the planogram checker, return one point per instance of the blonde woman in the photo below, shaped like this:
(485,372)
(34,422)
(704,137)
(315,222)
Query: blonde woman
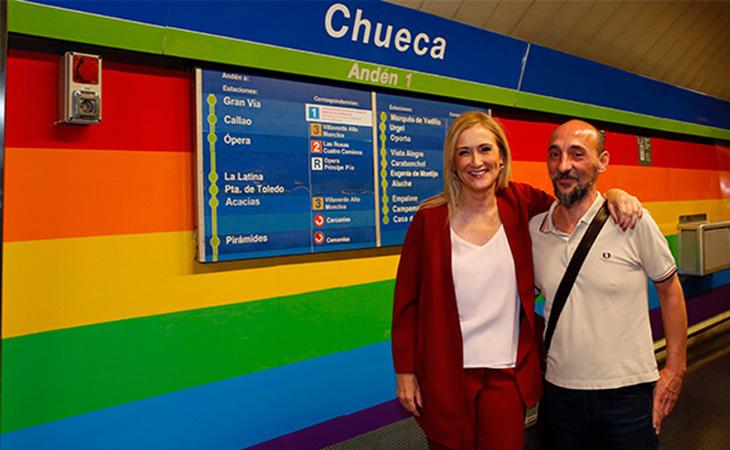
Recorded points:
(465,348)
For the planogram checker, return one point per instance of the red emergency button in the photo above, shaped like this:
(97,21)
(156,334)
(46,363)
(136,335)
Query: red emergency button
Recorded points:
(86,69)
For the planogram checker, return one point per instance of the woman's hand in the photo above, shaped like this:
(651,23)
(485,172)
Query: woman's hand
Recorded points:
(625,209)
(409,393)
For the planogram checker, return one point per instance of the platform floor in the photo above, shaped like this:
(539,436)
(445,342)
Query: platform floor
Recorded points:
(700,421)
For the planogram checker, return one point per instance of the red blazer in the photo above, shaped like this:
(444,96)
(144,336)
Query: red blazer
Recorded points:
(426,331)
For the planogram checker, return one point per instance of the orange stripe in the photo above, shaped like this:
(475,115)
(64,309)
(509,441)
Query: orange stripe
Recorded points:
(53,193)
(650,184)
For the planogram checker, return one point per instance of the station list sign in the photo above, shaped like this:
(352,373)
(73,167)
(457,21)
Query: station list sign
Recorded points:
(411,158)
(287,167)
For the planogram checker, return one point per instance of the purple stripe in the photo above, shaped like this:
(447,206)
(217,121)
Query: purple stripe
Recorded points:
(699,308)
(338,429)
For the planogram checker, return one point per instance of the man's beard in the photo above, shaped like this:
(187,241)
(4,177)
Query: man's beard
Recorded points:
(577,193)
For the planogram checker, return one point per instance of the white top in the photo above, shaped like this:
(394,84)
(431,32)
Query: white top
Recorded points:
(603,337)
(486,295)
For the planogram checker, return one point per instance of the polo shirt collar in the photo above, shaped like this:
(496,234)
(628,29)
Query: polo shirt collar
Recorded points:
(548,226)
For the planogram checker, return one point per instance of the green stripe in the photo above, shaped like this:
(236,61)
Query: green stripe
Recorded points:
(204,47)
(57,374)
(57,23)
(218,49)
(673,246)
(536,102)
(76,26)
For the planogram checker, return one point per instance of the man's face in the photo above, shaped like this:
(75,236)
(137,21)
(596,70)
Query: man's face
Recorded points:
(573,162)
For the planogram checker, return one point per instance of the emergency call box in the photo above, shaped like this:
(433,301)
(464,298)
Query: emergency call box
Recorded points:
(80,88)
(704,247)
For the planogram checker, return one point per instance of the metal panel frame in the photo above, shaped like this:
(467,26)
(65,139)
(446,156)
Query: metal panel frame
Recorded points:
(3,63)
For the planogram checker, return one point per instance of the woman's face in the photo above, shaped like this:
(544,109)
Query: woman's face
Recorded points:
(477,159)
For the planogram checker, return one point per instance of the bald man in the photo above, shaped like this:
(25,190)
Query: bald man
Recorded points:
(603,389)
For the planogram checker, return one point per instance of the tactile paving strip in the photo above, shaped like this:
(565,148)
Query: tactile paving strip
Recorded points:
(402,435)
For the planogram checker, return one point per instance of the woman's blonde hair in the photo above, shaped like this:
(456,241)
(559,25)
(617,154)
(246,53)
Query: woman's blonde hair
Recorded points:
(452,182)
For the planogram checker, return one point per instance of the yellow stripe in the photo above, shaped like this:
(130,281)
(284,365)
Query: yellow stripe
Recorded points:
(62,283)
(666,214)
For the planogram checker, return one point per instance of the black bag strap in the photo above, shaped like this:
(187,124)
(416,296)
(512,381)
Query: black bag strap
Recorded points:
(571,273)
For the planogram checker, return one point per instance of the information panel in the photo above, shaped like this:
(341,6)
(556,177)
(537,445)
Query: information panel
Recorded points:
(285,167)
(288,167)
(411,140)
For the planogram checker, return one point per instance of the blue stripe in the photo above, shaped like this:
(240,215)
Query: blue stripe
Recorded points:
(229,414)
(548,72)
(303,28)
(556,74)
(299,25)
(154,12)
(693,286)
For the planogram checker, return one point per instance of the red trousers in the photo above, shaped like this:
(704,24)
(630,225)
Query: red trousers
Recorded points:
(496,413)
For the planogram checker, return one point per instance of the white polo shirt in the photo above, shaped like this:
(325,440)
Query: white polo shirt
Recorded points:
(603,337)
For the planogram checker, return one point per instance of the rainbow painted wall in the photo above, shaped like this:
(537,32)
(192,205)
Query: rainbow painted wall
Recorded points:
(113,337)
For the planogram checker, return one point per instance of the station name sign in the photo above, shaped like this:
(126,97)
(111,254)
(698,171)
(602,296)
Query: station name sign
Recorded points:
(338,23)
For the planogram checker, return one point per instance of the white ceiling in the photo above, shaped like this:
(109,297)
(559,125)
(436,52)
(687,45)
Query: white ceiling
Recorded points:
(684,43)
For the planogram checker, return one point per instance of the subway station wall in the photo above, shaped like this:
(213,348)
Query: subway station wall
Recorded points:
(115,338)
(378,44)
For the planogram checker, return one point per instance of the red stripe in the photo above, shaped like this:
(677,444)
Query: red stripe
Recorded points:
(623,149)
(529,142)
(142,108)
(689,155)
